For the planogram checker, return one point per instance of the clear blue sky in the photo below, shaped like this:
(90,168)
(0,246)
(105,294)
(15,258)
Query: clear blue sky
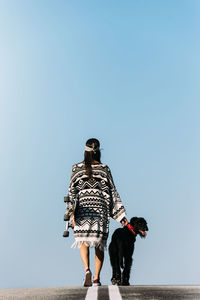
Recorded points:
(127,73)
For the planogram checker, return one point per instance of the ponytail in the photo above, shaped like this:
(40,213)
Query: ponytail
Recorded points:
(91,155)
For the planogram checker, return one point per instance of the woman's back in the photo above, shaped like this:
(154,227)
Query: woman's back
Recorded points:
(97,200)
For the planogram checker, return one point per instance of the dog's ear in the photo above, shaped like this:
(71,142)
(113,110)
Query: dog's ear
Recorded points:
(133,220)
(143,220)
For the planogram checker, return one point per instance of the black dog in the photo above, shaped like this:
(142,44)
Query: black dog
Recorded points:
(121,249)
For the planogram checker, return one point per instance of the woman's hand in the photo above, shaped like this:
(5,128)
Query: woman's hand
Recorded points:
(124,222)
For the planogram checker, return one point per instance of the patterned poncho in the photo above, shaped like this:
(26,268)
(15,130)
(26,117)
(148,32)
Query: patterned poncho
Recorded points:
(96,201)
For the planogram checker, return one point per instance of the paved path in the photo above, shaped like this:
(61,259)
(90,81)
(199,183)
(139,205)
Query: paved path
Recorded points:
(105,293)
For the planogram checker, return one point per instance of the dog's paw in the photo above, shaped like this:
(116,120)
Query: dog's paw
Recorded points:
(125,282)
(116,281)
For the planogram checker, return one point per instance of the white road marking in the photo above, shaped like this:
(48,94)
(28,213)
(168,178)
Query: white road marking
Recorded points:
(92,293)
(114,293)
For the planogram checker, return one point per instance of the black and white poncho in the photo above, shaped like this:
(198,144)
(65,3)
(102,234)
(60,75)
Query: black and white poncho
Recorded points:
(97,201)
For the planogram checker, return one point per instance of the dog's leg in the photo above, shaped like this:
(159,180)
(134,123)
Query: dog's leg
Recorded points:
(114,260)
(127,269)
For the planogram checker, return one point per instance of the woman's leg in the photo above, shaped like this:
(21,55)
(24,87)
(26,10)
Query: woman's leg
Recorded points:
(84,253)
(99,257)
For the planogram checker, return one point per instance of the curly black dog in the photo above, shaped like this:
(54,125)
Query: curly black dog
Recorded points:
(121,249)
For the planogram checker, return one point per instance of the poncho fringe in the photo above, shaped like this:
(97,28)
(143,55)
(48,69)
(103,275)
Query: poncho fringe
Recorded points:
(92,244)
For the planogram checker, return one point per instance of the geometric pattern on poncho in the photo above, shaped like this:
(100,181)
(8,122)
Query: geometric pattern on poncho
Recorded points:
(97,202)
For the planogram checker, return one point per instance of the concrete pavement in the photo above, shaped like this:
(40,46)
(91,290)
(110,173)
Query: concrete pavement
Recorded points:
(160,292)
(104,293)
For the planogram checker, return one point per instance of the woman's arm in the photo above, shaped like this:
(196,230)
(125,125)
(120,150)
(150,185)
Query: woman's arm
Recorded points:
(117,211)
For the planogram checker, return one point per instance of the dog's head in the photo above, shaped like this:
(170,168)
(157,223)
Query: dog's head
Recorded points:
(140,226)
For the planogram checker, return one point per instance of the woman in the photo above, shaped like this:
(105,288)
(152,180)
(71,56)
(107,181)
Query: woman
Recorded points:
(93,192)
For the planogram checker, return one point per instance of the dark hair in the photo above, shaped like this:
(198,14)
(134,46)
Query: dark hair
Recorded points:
(90,156)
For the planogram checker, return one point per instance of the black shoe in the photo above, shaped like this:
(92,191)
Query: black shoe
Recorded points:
(96,282)
(88,278)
